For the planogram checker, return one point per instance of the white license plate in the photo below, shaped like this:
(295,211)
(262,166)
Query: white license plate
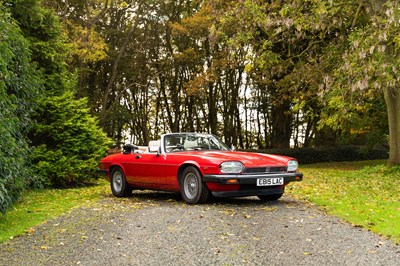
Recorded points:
(272,181)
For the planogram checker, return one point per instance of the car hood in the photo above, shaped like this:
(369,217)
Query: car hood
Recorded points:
(249,159)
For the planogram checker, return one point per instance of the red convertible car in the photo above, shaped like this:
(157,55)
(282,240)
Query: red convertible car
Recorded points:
(198,166)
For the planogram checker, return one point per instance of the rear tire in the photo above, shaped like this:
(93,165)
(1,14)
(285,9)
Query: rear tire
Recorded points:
(118,184)
(193,189)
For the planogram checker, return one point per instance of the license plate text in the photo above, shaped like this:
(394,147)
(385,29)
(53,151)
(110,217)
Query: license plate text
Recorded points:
(272,181)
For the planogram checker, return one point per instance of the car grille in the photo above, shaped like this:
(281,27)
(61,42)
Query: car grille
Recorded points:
(262,170)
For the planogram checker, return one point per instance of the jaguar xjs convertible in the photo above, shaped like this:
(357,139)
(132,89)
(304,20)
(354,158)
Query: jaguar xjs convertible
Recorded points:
(198,166)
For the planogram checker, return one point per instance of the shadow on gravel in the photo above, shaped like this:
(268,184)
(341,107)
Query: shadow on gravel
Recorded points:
(162,198)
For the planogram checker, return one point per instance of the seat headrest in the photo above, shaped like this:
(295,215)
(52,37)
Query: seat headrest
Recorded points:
(154,145)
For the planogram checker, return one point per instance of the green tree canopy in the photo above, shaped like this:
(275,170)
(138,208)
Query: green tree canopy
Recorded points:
(255,72)
(370,68)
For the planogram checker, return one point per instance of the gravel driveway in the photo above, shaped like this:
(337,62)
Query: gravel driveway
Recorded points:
(152,228)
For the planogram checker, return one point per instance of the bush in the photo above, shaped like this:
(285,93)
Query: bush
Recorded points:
(68,143)
(332,154)
(19,90)
(12,155)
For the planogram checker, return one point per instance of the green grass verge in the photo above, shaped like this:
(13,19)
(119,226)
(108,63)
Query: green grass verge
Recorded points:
(366,193)
(38,206)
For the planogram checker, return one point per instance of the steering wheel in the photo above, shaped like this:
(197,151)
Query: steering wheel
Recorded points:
(178,147)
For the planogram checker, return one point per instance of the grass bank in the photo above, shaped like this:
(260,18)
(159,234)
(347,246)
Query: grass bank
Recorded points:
(366,193)
(38,206)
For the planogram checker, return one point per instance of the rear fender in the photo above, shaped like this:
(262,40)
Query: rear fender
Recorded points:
(117,165)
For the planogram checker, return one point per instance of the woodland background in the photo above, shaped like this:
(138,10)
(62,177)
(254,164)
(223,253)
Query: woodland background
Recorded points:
(77,76)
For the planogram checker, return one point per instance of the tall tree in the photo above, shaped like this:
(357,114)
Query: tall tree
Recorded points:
(371,64)
(253,71)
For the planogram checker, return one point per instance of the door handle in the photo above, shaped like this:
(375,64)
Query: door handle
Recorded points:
(138,156)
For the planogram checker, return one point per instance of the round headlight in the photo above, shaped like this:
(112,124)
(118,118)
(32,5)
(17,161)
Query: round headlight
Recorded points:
(292,166)
(231,167)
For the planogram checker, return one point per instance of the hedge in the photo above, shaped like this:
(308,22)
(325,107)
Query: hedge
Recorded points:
(331,154)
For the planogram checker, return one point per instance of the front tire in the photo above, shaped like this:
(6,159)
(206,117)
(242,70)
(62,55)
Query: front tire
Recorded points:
(118,184)
(193,189)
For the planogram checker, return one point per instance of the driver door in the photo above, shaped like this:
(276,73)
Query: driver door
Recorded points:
(147,171)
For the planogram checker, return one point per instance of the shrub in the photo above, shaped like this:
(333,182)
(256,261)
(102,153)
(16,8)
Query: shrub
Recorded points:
(68,143)
(19,90)
(12,155)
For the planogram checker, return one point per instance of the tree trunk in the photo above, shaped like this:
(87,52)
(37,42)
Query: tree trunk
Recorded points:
(114,71)
(281,125)
(212,113)
(392,99)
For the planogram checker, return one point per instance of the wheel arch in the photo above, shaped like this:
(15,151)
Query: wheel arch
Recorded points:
(185,165)
(192,186)
(112,167)
(119,185)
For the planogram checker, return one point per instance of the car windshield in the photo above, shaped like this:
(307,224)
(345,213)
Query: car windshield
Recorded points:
(192,142)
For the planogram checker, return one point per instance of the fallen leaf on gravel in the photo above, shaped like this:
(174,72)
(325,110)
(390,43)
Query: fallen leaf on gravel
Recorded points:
(43,248)
(30,230)
(247,216)
(216,251)
(230,212)
(306,253)
(269,209)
